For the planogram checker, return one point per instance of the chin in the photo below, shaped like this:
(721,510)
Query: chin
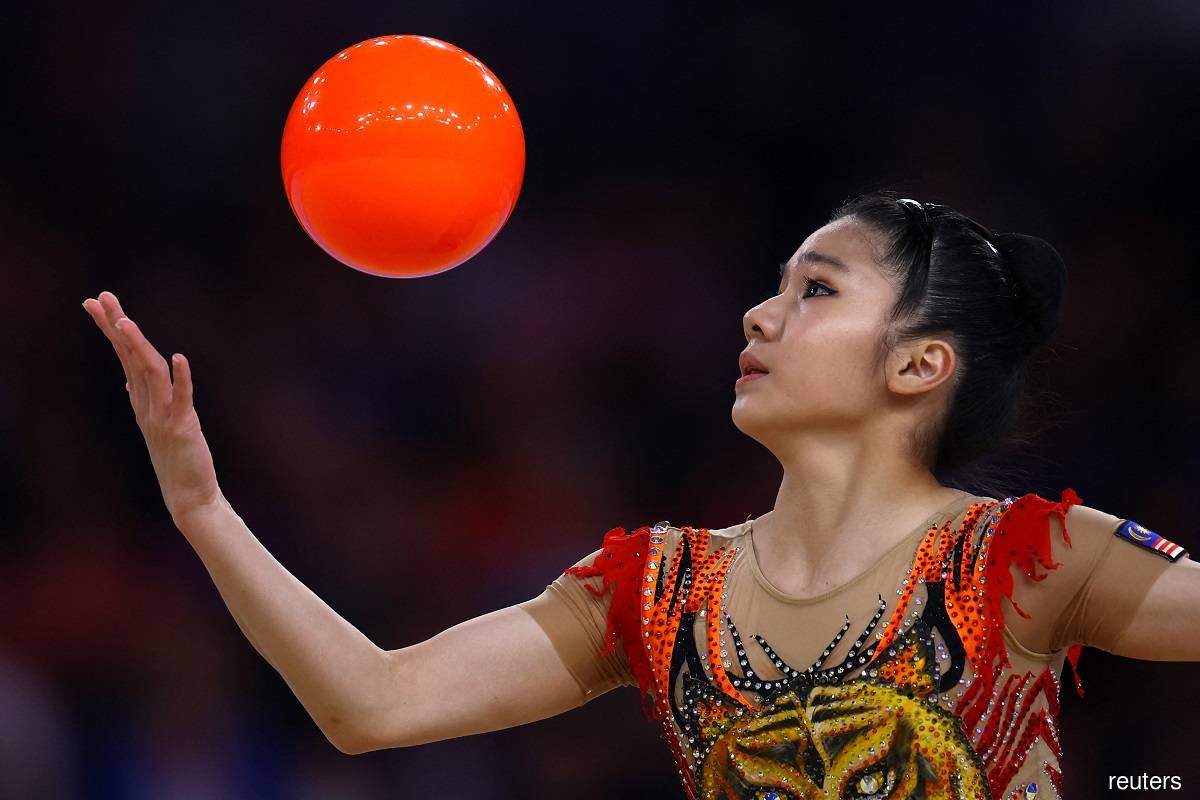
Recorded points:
(750,421)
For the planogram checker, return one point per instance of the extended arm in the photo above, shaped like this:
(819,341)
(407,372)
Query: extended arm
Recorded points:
(335,671)
(492,672)
(495,671)
(1135,602)
(1166,626)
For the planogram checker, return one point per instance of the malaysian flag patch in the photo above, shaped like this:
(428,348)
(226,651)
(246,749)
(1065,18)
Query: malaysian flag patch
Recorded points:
(1132,532)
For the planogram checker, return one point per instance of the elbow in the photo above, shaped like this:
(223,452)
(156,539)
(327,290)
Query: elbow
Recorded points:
(368,729)
(355,741)
(345,744)
(347,748)
(353,745)
(346,738)
(354,738)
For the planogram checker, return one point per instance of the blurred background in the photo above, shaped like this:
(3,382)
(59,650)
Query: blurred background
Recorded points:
(419,452)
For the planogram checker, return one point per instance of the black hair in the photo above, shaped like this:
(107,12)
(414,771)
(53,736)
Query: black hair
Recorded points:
(996,296)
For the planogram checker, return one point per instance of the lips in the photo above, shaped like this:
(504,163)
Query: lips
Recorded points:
(749,364)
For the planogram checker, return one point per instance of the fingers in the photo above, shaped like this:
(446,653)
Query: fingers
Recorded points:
(152,368)
(147,376)
(181,397)
(111,308)
(134,384)
(112,303)
(100,315)
(138,391)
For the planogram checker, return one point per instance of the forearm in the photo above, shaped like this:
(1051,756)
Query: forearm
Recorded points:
(334,670)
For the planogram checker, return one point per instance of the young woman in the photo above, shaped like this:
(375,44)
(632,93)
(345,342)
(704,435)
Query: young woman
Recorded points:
(876,634)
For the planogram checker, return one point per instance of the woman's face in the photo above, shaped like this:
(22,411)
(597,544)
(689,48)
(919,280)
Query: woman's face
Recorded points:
(818,338)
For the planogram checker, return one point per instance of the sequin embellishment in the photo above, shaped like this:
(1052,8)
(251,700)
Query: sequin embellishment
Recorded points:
(882,721)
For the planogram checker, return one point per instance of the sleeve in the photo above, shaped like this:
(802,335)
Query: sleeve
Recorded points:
(1097,569)
(576,620)
(1130,561)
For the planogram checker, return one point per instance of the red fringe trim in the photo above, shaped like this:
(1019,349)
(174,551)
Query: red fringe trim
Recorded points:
(1023,536)
(620,565)
(1055,778)
(1073,656)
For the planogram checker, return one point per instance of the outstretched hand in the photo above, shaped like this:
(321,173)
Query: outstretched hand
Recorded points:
(163,410)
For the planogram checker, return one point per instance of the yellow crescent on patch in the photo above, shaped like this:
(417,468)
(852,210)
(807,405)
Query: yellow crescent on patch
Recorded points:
(1149,534)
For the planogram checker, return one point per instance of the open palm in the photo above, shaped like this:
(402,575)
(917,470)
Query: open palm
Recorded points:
(163,410)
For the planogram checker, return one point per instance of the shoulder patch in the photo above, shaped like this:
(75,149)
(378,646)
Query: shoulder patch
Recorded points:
(1130,531)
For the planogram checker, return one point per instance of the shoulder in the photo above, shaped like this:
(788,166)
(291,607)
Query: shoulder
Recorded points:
(701,540)
(669,541)
(1085,524)
(1043,537)
(1052,530)
(1088,529)
(1036,535)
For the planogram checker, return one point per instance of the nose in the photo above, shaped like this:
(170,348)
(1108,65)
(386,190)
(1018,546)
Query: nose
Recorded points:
(753,319)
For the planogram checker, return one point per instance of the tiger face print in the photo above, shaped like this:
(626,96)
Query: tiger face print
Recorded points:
(857,741)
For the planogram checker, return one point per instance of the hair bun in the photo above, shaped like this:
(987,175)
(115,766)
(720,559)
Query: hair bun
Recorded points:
(1041,276)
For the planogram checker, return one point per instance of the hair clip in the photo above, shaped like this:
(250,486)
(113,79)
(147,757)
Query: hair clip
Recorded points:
(916,205)
(984,234)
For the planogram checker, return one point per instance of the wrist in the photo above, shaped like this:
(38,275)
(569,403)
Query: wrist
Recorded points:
(191,514)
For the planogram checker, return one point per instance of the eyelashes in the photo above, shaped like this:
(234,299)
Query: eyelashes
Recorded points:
(809,284)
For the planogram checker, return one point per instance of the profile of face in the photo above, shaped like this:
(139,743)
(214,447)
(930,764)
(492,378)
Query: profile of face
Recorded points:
(820,340)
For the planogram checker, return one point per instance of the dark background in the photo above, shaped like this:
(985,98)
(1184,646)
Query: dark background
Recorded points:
(420,452)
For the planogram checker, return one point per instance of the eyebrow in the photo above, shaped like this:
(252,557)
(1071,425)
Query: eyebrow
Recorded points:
(813,257)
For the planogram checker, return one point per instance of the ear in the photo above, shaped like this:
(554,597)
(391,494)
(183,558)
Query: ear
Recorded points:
(921,366)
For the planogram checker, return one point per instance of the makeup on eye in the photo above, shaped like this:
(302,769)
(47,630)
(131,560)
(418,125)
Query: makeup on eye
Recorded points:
(808,283)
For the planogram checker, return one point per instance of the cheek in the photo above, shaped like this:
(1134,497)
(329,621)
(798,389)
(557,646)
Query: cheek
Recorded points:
(834,356)
(829,375)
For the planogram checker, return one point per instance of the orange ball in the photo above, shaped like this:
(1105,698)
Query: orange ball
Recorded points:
(403,156)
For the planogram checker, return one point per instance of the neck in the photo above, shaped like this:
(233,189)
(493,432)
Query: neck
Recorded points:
(838,509)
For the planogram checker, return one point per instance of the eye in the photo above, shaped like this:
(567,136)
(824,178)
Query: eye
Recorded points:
(809,283)
(875,785)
